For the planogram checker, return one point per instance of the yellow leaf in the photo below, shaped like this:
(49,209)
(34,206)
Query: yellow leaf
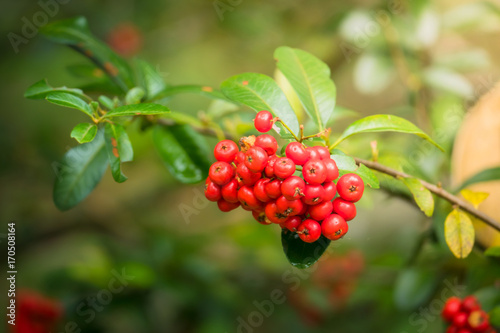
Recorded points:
(459,233)
(422,196)
(475,198)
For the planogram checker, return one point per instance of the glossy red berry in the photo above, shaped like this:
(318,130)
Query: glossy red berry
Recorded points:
(478,320)
(227,206)
(284,167)
(239,158)
(470,303)
(212,190)
(248,177)
(323,152)
(334,227)
(320,211)
(330,190)
(297,153)
(268,143)
(314,172)
(230,191)
(313,153)
(256,159)
(350,187)
(269,170)
(273,214)
(309,231)
(332,171)
(313,194)
(460,319)
(451,308)
(260,190)
(293,187)
(263,121)
(225,151)
(247,198)
(273,188)
(452,329)
(292,223)
(261,218)
(221,173)
(344,208)
(289,207)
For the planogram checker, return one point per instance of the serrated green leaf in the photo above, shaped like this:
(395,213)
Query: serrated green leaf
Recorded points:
(299,253)
(346,164)
(142,109)
(383,123)
(80,170)
(422,196)
(151,80)
(84,132)
(459,233)
(493,251)
(260,92)
(183,151)
(69,101)
(119,149)
(40,89)
(481,177)
(134,95)
(310,78)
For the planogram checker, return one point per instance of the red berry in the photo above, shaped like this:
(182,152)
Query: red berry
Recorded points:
(330,191)
(464,330)
(269,170)
(323,152)
(292,223)
(452,329)
(230,191)
(313,153)
(273,188)
(313,194)
(267,142)
(221,173)
(314,172)
(263,121)
(451,308)
(256,159)
(344,208)
(239,158)
(320,211)
(260,189)
(332,172)
(470,303)
(260,217)
(284,167)
(334,227)
(478,320)
(212,190)
(293,187)
(460,319)
(248,177)
(227,206)
(289,207)
(248,199)
(297,153)
(225,151)
(350,187)
(273,214)
(309,231)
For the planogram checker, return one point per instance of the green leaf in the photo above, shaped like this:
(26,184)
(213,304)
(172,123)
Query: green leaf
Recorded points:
(422,196)
(383,123)
(299,253)
(41,89)
(493,251)
(459,233)
(183,151)
(191,89)
(151,80)
(134,95)
(84,132)
(106,102)
(260,92)
(119,149)
(86,71)
(482,176)
(80,170)
(310,78)
(414,287)
(346,164)
(495,316)
(69,101)
(76,34)
(137,110)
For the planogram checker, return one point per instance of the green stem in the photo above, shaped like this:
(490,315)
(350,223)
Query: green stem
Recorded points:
(288,129)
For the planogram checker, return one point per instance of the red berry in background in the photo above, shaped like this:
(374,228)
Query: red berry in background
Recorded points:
(229,191)
(260,190)
(292,223)
(221,173)
(452,329)
(248,199)
(350,187)
(256,159)
(269,170)
(289,207)
(293,187)
(451,308)
(248,177)
(225,151)
(263,121)
(239,158)
(323,152)
(344,208)
(212,190)
(334,227)
(284,167)
(460,319)
(313,153)
(273,214)
(332,171)
(35,313)
(470,303)
(268,143)
(313,194)
(320,211)
(478,320)
(330,190)
(297,153)
(314,172)
(227,206)
(309,231)
(261,217)
(125,39)
(273,188)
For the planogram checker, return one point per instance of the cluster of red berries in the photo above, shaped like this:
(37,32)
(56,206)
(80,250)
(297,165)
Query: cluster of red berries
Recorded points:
(466,316)
(271,188)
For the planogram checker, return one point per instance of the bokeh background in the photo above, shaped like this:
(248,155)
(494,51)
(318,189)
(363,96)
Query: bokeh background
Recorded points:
(427,61)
